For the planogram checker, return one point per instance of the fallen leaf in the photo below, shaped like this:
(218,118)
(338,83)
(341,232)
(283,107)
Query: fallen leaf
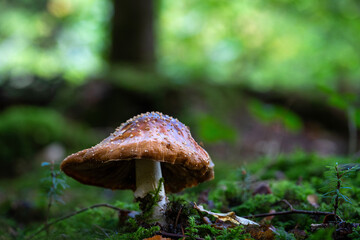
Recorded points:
(227,217)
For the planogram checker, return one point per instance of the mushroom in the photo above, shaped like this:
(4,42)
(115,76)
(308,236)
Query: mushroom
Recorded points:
(138,154)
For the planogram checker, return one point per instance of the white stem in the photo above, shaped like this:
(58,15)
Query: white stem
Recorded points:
(148,175)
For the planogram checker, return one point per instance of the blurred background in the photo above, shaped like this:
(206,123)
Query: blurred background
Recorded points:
(250,78)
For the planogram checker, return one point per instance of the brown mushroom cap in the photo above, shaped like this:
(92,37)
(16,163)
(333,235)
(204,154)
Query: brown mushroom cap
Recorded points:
(152,136)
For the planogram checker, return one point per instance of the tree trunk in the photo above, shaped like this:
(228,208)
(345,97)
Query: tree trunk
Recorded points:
(133,32)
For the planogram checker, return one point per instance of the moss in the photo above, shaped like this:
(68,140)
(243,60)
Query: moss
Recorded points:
(322,234)
(196,229)
(233,191)
(295,166)
(132,230)
(291,191)
(258,204)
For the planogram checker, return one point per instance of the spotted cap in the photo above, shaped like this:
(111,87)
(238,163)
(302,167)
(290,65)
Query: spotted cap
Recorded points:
(152,136)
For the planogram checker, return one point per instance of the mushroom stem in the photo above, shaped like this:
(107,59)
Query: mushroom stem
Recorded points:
(148,175)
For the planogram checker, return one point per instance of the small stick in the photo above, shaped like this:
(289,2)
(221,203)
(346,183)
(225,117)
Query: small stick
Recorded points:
(177,217)
(293,211)
(182,231)
(287,203)
(46,226)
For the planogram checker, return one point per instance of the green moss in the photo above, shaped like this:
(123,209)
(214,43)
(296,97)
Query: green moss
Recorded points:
(198,230)
(132,230)
(291,191)
(295,166)
(258,204)
(322,234)
(283,235)
(232,191)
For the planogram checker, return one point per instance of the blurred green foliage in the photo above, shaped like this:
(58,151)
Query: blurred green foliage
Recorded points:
(212,129)
(26,130)
(269,113)
(295,166)
(277,44)
(323,234)
(348,102)
(52,38)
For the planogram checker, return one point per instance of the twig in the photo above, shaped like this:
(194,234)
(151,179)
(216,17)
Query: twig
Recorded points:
(287,203)
(182,231)
(294,211)
(177,217)
(46,226)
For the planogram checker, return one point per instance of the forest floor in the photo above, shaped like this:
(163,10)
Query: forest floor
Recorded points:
(291,197)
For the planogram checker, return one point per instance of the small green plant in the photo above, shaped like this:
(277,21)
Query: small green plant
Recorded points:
(336,185)
(54,186)
(244,183)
